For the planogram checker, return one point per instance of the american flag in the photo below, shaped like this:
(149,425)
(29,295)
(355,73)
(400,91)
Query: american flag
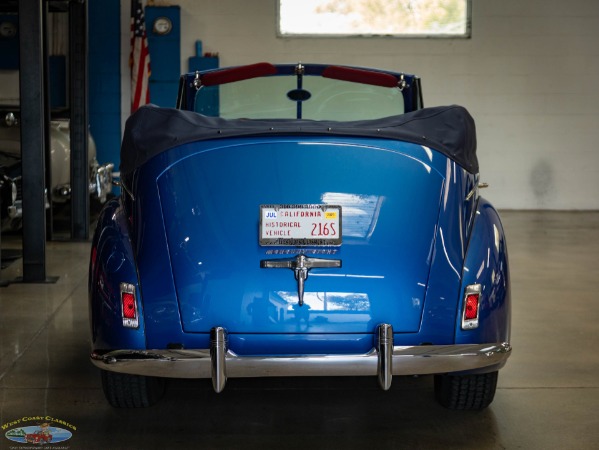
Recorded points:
(139,59)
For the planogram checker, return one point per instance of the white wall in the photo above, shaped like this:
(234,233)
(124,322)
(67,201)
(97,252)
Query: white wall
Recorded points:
(529,75)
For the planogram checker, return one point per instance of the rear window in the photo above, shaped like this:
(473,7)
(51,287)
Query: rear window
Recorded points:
(280,97)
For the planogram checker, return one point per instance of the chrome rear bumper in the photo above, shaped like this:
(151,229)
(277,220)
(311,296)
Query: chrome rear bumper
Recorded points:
(384,361)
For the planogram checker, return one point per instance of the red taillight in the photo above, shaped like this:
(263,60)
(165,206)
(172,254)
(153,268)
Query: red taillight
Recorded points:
(472,295)
(471,307)
(129,306)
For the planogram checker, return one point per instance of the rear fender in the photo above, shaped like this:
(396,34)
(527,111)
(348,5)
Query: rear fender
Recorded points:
(447,258)
(487,264)
(112,263)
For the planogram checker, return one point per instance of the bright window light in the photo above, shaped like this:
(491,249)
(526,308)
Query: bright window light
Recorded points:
(401,18)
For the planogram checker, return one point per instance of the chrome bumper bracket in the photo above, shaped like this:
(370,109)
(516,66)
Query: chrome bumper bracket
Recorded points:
(218,362)
(384,347)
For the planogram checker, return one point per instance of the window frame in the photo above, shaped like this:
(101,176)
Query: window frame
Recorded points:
(466,35)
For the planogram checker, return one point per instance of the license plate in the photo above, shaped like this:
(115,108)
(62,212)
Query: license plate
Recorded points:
(300,225)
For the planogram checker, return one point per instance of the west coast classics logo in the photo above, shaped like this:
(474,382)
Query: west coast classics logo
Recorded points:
(38,430)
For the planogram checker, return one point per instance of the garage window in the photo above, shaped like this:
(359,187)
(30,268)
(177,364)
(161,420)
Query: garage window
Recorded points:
(372,18)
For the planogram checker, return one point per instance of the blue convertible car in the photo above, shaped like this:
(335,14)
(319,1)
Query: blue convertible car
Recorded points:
(299,220)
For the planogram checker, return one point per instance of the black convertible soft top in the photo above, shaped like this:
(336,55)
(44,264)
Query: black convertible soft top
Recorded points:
(152,130)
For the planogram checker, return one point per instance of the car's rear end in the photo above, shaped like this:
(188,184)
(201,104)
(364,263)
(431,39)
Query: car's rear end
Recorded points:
(244,248)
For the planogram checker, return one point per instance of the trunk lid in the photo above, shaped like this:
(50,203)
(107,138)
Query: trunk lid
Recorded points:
(389,195)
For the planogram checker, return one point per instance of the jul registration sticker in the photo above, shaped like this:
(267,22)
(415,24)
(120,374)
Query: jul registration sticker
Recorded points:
(300,225)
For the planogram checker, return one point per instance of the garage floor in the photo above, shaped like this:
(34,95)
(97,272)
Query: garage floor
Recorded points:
(548,395)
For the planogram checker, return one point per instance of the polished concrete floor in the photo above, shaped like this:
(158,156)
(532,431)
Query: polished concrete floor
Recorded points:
(548,394)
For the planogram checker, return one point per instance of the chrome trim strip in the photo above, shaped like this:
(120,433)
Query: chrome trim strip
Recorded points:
(122,185)
(385,355)
(406,360)
(475,189)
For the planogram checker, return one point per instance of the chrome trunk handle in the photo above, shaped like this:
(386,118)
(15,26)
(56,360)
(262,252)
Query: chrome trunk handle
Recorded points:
(300,265)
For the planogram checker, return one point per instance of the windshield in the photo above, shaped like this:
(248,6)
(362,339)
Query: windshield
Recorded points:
(307,97)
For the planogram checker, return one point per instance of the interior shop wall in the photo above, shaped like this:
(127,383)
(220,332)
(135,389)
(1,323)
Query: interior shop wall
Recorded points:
(528,75)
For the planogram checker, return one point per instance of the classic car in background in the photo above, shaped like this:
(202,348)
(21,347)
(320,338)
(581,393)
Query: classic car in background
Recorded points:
(100,176)
(10,184)
(299,220)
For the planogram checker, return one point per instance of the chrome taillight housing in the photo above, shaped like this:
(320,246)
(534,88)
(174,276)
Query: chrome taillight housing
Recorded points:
(471,306)
(129,306)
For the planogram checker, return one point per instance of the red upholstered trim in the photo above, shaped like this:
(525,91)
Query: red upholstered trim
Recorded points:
(238,73)
(360,76)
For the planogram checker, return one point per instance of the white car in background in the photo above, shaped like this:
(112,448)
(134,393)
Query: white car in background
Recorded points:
(100,176)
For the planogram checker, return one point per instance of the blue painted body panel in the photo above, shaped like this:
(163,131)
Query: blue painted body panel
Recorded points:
(197,252)
(212,234)
(487,264)
(114,264)
(411,243)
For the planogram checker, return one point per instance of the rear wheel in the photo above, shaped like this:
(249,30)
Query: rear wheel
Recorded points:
(132,391)
(466,392)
